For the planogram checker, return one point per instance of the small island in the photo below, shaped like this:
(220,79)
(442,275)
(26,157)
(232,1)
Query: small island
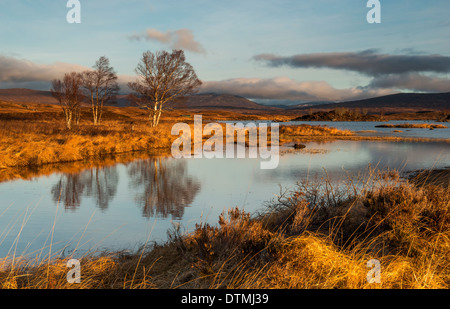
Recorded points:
(413,125)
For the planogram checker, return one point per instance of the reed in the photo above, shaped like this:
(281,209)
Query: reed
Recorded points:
(319,235)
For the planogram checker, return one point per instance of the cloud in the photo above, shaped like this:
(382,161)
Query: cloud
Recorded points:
(367,62)
(284,88)
(153,34)
(15,72)
(388,72)
(176,39)
(22,73)
(411,81)
(22,70)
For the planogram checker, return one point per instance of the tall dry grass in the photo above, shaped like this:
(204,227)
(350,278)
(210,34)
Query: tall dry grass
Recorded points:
(33,139)
(320,235)
(36,144)
(310,130)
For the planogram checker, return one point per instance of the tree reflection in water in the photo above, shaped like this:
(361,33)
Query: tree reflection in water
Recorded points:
(98,182)
(163,186)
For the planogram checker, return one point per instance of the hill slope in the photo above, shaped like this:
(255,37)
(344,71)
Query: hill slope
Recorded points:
(24,95)
(220,101)
(197,101)
(400,102)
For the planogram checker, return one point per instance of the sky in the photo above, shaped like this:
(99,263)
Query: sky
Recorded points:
(269,51)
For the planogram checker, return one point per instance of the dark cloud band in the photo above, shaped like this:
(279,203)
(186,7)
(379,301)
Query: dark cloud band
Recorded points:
(411,81)
(367,62)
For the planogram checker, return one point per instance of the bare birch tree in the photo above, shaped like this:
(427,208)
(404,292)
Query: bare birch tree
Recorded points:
(100,86)
(69,95)
(162,77)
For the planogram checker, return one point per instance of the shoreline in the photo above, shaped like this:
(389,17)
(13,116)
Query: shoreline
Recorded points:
(293,244)
(11,173)
(435,176)
(263,250)
(36,138)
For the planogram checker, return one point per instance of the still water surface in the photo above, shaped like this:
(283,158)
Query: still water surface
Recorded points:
(122,206)
(369,128)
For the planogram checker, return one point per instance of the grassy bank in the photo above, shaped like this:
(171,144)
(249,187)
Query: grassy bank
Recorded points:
(36,136)
(43,141)
(34,140)
(320,235)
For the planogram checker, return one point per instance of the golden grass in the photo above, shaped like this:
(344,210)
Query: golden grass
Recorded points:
(33,137)
(36,142)
(310,130)
(320,235)
(36,150)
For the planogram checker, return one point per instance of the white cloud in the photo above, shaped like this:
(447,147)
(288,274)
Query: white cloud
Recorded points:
(284,88)
(175,39)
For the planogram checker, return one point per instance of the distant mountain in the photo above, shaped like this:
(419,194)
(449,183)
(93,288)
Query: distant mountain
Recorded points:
(196,101)
(220,101)
(393,103)
(401,102)
(309,104)
(24,95)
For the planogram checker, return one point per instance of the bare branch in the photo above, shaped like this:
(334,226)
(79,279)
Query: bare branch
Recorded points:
(162,77)
(101,86)
(68,94)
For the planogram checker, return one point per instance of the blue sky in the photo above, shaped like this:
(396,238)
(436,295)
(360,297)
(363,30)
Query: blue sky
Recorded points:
(230,34)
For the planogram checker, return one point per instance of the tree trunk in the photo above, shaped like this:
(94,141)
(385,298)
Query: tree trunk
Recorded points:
(99,116)
(151,118)
(155,115)
(95,114)
(69,119)
(77,116)
(96,108)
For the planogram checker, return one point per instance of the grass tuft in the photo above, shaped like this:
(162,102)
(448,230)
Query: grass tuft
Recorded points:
(320,235)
